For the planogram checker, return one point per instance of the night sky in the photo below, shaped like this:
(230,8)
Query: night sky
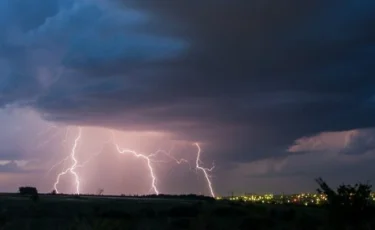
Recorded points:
(277,93)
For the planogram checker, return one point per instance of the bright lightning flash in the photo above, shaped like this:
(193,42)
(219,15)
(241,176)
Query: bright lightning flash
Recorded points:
(149,159)
(73,166)
(204,170)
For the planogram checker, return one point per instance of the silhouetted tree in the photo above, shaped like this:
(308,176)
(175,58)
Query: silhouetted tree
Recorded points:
(53,192)
(348,203)
(100,191)
(28,190)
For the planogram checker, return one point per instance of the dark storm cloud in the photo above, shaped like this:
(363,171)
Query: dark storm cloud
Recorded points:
(248,77)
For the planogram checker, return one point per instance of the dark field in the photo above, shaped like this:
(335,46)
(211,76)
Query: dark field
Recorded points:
(98,212)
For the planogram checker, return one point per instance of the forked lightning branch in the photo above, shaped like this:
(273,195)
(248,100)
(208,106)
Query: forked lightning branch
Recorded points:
(144,158)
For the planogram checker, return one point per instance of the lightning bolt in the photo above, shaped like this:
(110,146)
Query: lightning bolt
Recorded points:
(141,156)
(66,158)
(57,164)
(73,166)
(168,154)
(148,159)
(204,170)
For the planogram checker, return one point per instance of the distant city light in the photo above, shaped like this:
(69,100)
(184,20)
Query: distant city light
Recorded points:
(298,199)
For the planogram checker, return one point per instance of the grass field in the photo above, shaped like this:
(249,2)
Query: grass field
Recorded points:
(86,213)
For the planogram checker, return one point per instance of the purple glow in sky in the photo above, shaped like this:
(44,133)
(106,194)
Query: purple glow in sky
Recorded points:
(276,94)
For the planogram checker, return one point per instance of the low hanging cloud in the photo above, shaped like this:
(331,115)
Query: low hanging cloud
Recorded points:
(16,167)
(361,142)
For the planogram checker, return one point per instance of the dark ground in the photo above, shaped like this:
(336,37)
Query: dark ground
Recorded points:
(89,213)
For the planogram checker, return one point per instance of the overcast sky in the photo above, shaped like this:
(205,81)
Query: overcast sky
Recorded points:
(277,93)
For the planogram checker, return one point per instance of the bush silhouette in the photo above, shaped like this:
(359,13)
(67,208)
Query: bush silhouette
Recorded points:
(28,191)
(349,203)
